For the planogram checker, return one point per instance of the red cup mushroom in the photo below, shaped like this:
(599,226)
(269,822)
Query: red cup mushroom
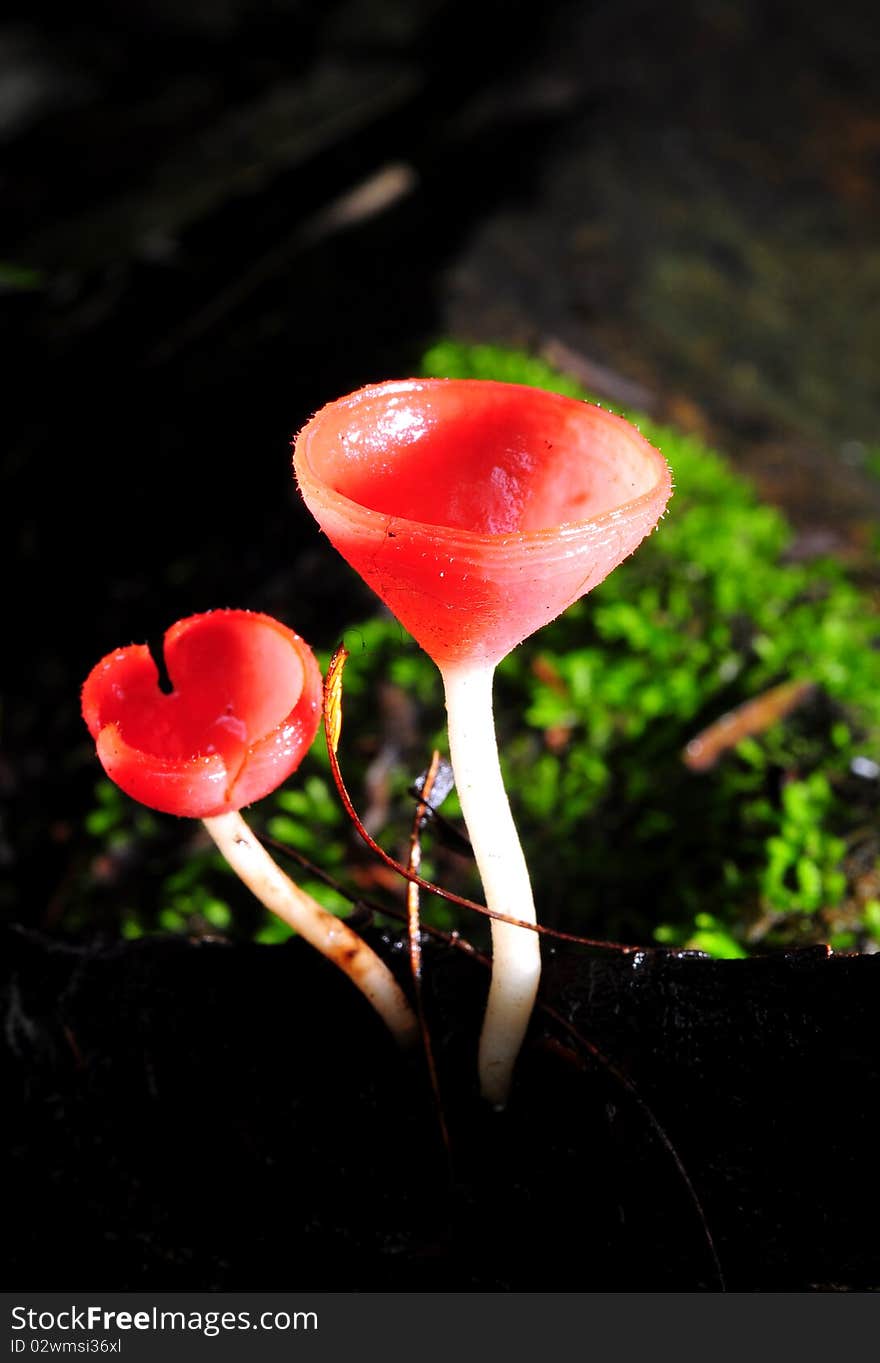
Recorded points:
(243,709)
(478,511)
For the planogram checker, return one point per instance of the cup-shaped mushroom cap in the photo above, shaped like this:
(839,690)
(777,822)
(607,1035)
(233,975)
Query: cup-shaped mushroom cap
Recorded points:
(478,511)
(244,709)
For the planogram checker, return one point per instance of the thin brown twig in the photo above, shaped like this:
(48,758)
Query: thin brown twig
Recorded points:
(333,728)
(413,928)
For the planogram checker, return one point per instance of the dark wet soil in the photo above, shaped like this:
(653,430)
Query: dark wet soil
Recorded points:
(208,1116)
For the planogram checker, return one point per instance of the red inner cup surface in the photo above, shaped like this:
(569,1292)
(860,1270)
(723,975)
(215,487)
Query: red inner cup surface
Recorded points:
(478,511)
(244,709)
(492,459)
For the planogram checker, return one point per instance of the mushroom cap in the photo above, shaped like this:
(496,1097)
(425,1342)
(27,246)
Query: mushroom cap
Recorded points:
(244,709)
(478,511)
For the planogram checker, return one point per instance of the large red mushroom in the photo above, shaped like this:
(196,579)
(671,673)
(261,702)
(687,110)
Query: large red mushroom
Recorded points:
(478,511)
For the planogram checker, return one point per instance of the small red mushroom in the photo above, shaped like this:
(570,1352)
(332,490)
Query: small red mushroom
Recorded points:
(478,511)
(243,710)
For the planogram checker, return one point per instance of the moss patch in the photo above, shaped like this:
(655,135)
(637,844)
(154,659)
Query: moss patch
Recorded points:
(776,844)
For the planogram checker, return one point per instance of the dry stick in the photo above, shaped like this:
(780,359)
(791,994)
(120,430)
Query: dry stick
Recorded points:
(413,928)
(412,891)
(329,934)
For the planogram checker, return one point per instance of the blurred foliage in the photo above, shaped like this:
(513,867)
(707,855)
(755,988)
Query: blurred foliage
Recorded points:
(19,278)
(775,845)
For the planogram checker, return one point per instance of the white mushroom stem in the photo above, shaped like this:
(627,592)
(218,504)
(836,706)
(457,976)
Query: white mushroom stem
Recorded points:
(330,935)
(516,954)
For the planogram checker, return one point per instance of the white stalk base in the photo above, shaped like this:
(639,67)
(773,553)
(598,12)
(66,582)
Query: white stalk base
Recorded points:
(333,938)
(516,953)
